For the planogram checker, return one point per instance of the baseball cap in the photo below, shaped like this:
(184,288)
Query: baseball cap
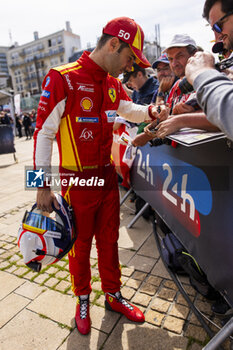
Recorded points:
(127,30)
(127,75)
(163,58)
(181,40)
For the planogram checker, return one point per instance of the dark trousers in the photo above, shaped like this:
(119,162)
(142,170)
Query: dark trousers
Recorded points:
(28,131)
(19,128)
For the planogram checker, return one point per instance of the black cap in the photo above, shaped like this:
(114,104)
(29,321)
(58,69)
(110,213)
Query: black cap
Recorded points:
(135,68)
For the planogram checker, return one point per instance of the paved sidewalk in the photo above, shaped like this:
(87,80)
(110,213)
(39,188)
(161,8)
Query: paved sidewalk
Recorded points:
(37,309)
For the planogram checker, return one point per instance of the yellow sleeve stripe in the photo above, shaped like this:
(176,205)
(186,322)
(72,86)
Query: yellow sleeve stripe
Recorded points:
(67,150)
(67,68)
(73,143)
(70,70)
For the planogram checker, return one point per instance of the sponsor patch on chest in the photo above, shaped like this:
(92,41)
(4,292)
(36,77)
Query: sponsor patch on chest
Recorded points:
(87,119)
(111,115)
(86,104)
(86,135)
(85,87)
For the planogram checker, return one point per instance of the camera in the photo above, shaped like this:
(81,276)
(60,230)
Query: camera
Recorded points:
(186,88)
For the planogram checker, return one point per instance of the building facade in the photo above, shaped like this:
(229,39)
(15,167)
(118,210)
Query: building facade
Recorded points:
(152,51)
(29,63)
(4,74)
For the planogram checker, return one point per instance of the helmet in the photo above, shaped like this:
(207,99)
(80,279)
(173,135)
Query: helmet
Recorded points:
(43,239)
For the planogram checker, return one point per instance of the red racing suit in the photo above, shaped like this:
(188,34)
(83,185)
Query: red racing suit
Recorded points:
(78,105)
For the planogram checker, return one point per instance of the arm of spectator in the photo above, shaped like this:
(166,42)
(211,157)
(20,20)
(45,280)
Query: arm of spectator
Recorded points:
(151,129)
(142,138)
(214,91)
(215,96)
(197,64)
(182,108)
(192,120)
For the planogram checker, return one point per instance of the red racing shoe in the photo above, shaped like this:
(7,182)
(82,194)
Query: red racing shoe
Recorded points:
(115,302)
(82,316)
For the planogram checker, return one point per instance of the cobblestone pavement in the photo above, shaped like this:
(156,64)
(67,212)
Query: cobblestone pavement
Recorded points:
(37,309)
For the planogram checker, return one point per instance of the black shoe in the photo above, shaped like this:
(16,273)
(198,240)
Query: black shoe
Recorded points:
(220,307)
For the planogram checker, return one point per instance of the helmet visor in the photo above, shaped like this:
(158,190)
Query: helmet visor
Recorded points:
(40,224)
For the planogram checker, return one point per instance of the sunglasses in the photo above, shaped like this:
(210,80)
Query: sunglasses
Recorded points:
(217,27)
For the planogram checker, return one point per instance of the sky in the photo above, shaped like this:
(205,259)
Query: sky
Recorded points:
(20,18)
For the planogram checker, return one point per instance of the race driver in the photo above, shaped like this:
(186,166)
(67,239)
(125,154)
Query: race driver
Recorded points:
(78,105)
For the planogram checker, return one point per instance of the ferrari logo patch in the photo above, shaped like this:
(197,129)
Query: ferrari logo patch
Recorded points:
(112,94)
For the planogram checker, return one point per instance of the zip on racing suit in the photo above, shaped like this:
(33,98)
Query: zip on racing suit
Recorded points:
(78,105)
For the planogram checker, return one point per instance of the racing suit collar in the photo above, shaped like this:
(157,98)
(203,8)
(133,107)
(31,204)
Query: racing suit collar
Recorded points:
(98,73)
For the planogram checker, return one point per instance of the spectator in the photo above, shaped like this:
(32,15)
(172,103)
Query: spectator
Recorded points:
(33,120)
(27,126)
(215,90)
(18,125)
(165,77)
(142,85)
(184,110)
(33,115)
(180,49)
